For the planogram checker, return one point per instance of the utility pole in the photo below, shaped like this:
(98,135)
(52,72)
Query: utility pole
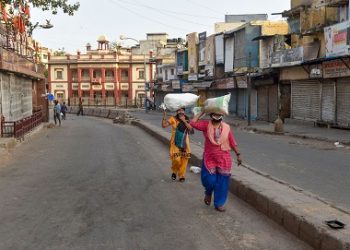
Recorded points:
(249,89)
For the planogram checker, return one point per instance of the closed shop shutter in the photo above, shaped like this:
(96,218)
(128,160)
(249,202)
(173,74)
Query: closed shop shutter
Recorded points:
(233,101)
(343,102)
(263,103)
(254,104)
(273,102)
(328,102)
(306,100)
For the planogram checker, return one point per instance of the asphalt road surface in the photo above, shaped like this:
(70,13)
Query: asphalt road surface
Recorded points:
(317,167)
(90,184)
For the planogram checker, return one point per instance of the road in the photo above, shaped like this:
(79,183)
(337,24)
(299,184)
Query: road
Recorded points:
(90,184)
(317,167)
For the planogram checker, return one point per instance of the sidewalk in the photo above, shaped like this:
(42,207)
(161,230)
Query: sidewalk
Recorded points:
(300,213)
(296,128)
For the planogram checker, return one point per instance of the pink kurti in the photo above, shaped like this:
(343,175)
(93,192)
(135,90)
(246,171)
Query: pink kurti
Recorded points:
(215,159)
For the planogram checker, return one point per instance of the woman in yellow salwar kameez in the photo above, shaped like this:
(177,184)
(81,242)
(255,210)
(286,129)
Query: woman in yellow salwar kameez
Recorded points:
(180,151)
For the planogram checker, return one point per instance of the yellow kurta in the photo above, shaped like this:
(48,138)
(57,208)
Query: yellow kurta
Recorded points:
(179,158)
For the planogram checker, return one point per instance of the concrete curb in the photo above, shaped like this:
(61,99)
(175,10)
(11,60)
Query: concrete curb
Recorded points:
(298,213)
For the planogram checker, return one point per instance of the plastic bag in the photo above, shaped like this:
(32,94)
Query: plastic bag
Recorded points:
(174,102)
(217,105)
(195,169)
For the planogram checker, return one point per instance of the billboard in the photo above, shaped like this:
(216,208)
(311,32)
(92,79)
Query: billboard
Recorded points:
(192,40)
(219,49)
(337,39)
(202,41)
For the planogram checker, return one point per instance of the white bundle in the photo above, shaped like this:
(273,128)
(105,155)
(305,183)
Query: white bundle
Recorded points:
(217,105)
(174,102)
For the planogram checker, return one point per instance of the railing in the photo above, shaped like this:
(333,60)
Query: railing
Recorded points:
(19,129)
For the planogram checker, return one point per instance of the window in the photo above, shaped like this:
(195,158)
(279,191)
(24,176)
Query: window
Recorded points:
(160,71)
(125,75)
(45,57)
(141,74)
(59,74)
(172,72)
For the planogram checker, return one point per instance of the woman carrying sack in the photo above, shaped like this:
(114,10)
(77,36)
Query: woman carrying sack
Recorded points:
(217,161)
(180,151)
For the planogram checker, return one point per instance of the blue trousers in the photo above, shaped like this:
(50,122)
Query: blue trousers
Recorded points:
(216,183)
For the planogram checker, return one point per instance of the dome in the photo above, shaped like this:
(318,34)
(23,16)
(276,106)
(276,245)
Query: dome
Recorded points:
(102,38)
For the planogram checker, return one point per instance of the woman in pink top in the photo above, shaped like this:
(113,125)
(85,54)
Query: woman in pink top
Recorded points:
(217,161)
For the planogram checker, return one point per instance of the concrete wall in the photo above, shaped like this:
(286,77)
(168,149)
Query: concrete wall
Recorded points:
(16,96)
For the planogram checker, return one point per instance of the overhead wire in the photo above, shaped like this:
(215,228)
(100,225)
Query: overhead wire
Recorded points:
(204,7)
(147,18)
(162,13)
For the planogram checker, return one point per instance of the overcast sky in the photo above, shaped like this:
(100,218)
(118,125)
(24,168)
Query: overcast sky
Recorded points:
(135,18)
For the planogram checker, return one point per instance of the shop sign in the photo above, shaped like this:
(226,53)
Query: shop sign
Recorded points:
(316,71)
(176,84)
(227,83)
(187,88)
(337,39)
(242,82)
(193,77)
(288,57)
(337,68)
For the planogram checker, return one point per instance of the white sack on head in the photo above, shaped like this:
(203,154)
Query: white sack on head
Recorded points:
(217,105)
(174,102)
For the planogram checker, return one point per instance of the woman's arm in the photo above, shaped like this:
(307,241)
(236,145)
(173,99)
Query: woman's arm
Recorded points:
(189,127)
(165,123)
(234,147)
(197,117)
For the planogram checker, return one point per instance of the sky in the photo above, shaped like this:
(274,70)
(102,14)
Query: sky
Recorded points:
(135,18)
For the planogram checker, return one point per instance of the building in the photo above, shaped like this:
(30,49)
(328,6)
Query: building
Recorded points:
(22,80)
(101,77)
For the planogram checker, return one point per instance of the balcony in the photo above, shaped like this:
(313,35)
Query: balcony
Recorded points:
(96,81)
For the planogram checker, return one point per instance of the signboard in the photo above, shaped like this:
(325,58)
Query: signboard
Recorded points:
(187,88)
(192,40)
(180,70)
(210,56)
(337,68)
(241,82)
(287,57)
(75,86)
(227,83)
(219,49)
(109,86)
(59,86)
(202,85)
(202,42)
(193,77)
(176,84)
(229,54)
(316,71)
(85,86)
(337,39)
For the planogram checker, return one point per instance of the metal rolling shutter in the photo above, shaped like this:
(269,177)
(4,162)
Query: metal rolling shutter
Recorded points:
(328,102)
(273,102)
(263,103)
(343,102)
(306,100)
(242,101)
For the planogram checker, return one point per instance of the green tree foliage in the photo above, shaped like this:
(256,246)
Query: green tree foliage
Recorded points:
(47,5)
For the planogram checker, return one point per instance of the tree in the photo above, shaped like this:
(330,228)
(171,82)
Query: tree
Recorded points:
(59,52)
(45,5)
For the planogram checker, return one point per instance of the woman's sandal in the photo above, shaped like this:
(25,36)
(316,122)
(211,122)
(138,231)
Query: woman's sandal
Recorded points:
(207,200)
(182,179)
(173,176)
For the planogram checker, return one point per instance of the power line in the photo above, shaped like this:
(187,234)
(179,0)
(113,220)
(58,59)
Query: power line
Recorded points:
(162,12)
(174,12)
(147,18)
(203,7)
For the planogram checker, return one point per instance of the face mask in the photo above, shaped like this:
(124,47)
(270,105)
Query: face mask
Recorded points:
(216,118)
